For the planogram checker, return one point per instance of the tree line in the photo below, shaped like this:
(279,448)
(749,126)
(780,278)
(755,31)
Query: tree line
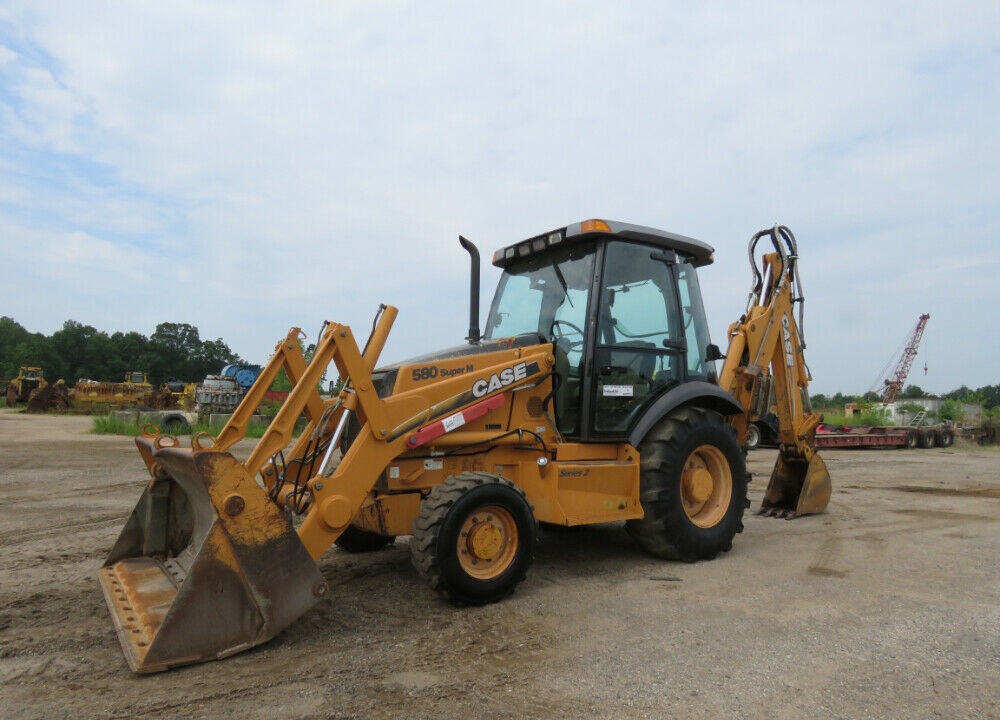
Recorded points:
(175,351)
(987,396)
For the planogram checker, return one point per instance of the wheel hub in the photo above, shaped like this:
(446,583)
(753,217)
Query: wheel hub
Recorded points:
(706,486)
(487,542)
(698,484)
(485,539)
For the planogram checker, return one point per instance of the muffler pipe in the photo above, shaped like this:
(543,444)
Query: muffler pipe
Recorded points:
(474,334)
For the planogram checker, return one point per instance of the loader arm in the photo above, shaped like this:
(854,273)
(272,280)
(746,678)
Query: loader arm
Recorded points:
(210,562)
(766,347)
(288,356)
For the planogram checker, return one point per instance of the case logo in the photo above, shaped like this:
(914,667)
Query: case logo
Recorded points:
(500,380)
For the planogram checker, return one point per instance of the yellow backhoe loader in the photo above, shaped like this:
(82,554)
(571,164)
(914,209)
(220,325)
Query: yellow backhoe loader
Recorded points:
(590,397)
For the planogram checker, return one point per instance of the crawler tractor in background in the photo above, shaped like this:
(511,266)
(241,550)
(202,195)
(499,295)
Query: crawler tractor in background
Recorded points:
(590,397)
(19,389)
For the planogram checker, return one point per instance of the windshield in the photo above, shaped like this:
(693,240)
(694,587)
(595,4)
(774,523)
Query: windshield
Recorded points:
(544,294)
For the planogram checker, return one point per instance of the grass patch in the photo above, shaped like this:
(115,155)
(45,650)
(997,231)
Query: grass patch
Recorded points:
(868,419)
(116,425)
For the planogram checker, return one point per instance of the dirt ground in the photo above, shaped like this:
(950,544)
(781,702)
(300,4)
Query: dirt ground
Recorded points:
(886,606)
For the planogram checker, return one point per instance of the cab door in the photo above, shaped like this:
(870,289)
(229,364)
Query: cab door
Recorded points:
(639,347)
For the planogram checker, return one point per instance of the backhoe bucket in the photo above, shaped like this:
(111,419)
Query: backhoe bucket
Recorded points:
(206,565)
(797,487)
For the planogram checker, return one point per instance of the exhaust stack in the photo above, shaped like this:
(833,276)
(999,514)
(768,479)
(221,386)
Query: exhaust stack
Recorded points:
(474,334)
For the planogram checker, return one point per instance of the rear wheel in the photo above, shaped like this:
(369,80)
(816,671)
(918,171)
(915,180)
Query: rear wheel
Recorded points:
(474,539)
(944,438)
(693,487)
(925,438)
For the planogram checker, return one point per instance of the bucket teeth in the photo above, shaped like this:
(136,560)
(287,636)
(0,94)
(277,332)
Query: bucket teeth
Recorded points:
(777,512)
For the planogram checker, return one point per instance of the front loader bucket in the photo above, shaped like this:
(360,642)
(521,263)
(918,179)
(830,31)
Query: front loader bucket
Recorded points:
(206,565)
(797,487)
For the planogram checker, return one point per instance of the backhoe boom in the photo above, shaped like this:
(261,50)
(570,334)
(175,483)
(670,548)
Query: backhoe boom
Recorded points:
(766,355)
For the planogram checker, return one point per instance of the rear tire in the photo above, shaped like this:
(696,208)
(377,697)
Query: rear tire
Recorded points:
(944,438)
(359,540)
(925,438)
(475,538)
(692,487)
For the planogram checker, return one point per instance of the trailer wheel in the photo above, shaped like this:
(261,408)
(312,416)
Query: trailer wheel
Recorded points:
(692,487)
(753,437)
(359,540)
(474,539)
(911,439)
(944,438)
(926,438)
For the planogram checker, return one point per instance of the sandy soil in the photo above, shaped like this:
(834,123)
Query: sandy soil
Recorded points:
(886,606)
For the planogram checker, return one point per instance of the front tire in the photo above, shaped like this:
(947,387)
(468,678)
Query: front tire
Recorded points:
(692,487)
(474,539)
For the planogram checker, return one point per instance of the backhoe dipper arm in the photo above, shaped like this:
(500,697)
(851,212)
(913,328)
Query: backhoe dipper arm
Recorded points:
(766,344)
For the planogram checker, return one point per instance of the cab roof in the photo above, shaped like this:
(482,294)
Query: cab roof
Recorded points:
(696,252)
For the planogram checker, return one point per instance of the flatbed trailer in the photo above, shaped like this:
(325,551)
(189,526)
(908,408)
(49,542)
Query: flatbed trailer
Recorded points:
(844,436)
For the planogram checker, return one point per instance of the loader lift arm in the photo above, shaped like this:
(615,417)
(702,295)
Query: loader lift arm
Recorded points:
(766,348)
(210,563)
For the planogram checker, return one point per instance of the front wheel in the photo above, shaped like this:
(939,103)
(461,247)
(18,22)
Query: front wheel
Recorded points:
(474,539)
(692,487)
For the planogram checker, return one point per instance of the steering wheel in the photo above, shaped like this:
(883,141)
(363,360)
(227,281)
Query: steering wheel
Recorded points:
(560,334)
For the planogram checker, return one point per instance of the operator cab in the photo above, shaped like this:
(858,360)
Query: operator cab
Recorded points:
(621,305)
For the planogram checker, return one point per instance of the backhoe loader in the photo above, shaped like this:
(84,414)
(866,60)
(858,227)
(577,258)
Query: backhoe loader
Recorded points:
(591,396)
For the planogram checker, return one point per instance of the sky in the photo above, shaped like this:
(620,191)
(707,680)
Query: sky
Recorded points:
(247,167)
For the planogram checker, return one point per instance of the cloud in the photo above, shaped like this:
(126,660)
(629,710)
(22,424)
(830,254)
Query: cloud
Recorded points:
(247,167)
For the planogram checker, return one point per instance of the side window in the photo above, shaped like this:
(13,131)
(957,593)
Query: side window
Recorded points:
(637,354)
(695,323)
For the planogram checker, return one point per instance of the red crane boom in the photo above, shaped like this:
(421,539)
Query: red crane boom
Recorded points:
(895,385)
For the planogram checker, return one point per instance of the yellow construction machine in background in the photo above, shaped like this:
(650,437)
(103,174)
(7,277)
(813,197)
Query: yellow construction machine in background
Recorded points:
(134,391)
(19,389)
(591,397)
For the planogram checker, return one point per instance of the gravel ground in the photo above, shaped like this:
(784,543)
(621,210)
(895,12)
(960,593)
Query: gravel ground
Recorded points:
(886,606)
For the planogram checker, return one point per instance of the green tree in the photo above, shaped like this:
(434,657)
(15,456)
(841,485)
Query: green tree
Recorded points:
(18,347)
(962,394)
(911,392)
(989,396)
(177,351)
(950,410)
